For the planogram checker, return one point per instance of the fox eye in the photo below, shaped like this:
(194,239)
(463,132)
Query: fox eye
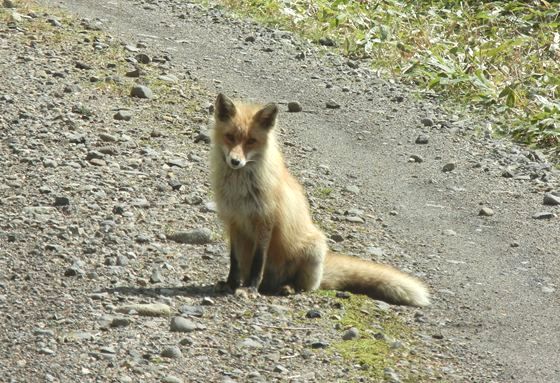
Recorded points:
(230,137)
(251,141)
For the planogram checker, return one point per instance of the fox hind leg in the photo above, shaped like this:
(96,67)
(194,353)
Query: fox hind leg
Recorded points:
(310,272)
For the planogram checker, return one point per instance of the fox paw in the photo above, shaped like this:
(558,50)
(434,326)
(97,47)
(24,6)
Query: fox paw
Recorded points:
(247,293)
(286,290)
(222,287)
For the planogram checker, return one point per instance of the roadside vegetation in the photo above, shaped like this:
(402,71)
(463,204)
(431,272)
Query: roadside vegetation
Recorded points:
(500,59)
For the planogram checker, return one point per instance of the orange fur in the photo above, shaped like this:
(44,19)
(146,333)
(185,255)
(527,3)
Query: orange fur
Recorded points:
(264,207)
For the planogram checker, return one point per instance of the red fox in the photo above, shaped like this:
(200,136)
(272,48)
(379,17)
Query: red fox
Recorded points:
(274,245)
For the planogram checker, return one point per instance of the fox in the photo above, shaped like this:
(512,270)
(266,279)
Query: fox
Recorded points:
(274,245)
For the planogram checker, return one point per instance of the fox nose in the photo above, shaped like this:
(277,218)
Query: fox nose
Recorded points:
(235,162)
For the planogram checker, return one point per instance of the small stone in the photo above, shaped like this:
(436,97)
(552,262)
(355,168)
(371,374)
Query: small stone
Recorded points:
(332,104)
(313,313)
(250,343)
(207,301)
(294,107)
(175,184)
(354,219)
(171,352)
(156,276)
(123,115)
(200,236)
(337,237)
(61,201)
(548,289)
(543,215)
(180,324)
(449,232)
(146,309)
(141,91)
(135,73)
(427,122)
(319,344)
(171,379)
(195,311)
(351,333)
(551,199)
(250,39)
(375,251)
(352,189)
(422,139)
(106,137)
(120,322)
(343,294)
(281,369)
(83,65)
(97,162)
(143,58)
(448,167)
(327,42)
(415,158)
(486,212)
(391,376)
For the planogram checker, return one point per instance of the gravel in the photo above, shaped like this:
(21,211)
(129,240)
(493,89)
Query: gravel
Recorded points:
(79,269)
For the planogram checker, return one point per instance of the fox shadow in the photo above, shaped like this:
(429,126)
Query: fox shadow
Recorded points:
(185,291)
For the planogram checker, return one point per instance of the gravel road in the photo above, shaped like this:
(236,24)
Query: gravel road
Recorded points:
(110,245)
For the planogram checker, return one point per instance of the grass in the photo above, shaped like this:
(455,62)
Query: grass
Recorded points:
(501,59)
(373,355)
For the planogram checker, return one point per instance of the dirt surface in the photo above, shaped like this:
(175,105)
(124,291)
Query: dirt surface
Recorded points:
(94,207)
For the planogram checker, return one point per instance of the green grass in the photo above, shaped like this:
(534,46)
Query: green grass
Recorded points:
(373,355)
(500,59)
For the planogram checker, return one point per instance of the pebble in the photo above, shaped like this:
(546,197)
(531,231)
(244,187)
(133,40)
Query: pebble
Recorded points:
(146,309)
(294,107)
(173,352)
(156,276)
(194,237)
(120,322)
(426,121)
(415,158)
(61,201)
(313,313)
(352,189)
(143,58)
(375,251)
(250,343)
(351,333)
(551,199)
(448,167)
(391,376)
(486,212)
(543,215)
(141,91)
(171,379)
(319,344)
(106,137)
(123,115)
(327,42)
(422,139)
(195,311)
(332,104)
(180,324)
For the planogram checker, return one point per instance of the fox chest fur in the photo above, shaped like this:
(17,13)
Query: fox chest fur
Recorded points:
(242,198)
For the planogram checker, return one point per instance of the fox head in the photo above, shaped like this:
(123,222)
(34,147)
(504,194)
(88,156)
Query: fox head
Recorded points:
(242,131)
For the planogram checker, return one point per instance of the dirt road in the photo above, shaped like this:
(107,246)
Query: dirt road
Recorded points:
(494,276)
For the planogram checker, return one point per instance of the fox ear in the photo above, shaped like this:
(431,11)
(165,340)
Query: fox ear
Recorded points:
(224,109)
(266,117)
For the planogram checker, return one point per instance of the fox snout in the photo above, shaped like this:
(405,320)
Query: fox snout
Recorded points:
(234,162)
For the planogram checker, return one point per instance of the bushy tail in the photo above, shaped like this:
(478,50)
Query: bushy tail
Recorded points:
(342,272)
